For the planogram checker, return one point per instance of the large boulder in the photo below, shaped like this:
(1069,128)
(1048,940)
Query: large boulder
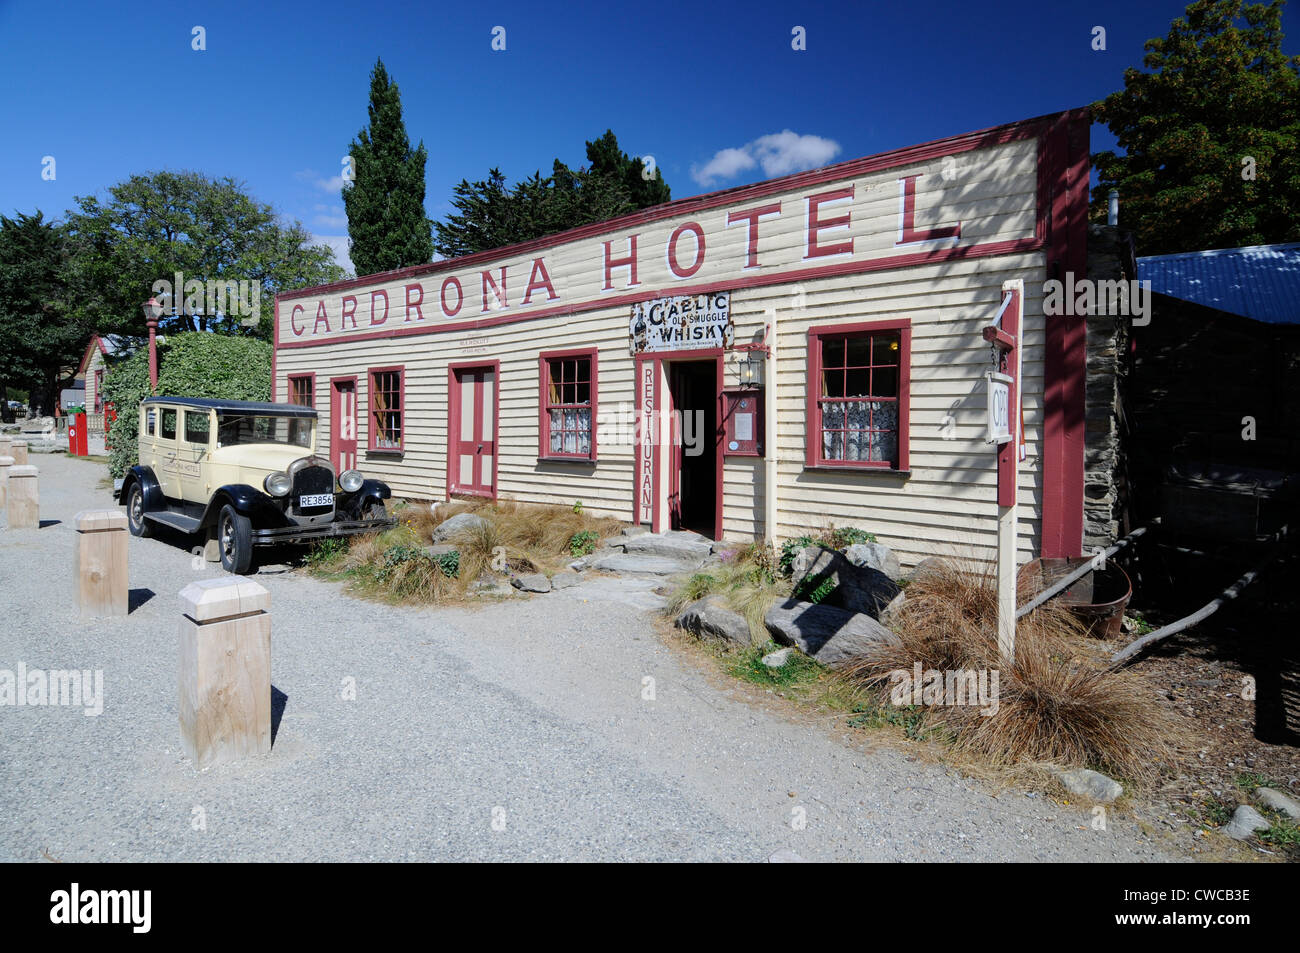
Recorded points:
(854,588)
(457,524)
(710,618)
(876,556)
(831,635)
(531,582)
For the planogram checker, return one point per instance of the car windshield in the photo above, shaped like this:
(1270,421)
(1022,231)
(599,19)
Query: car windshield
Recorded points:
(233,429)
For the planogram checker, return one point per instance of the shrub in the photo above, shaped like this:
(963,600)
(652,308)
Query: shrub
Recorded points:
(583,542)
(192,364)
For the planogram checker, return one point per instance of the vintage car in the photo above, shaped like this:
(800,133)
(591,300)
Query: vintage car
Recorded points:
(243,474)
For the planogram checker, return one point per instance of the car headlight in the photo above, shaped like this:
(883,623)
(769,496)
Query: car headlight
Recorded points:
(351,480)
(277,484)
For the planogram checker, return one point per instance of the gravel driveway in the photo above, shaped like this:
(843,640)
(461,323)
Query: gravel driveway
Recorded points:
(512,732)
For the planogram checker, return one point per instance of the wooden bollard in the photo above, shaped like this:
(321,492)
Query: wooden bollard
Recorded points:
(23,502)
(101,562)
(18,450)
(5,463)
(225,671)
(6,443)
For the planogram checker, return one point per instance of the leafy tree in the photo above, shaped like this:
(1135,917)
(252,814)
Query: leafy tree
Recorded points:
(491,215)
(41,337)
(189,365)
(153,226)
(385,199)
(1210,134)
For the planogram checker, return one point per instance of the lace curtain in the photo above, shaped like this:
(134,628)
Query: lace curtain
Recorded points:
(571,430)
(859,430)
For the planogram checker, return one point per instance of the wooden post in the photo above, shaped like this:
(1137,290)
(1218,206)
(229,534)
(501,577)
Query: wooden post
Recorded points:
(18,450)
(101,562)
(6,445)
(23,505)
(225,671)
(5,463)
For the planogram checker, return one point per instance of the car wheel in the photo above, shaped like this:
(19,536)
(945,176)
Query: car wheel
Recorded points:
(234,540)
(135,520)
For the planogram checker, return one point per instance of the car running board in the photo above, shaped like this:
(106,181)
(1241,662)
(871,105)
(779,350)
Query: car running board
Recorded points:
(186,524)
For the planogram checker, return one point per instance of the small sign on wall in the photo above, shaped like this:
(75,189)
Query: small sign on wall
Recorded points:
(683,323)
(742,415)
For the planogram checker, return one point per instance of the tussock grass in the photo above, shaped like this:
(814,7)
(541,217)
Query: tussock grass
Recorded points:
(1057,704)
(532,538)
(747,582)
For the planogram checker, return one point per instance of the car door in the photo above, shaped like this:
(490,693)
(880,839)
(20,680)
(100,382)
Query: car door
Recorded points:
(159,453)
(193,444)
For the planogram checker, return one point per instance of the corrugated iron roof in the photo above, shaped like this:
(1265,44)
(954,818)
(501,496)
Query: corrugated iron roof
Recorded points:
(1260,282)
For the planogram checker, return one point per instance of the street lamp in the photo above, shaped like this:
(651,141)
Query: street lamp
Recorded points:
(152,309)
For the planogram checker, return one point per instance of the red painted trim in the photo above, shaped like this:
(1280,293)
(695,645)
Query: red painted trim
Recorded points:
(1063,206)
(543,418)
(334,418)
(951,145)
(371,429)
(963,252)
(812,419)
(1009,452)
(453,424)
(90,347)
(719,458)
(275,344)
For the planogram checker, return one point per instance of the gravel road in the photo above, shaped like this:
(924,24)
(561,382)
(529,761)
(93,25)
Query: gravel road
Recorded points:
(517,731)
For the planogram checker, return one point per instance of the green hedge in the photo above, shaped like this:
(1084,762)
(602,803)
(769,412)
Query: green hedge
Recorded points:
(192,364)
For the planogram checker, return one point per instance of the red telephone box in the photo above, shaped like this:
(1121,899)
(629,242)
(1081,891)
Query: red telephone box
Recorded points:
(77,443)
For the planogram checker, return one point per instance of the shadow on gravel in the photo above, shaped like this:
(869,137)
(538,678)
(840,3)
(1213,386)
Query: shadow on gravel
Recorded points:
(135,598)
(45,523)
(278,700)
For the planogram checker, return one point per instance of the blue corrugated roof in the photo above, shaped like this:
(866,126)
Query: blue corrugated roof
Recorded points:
(1260,282)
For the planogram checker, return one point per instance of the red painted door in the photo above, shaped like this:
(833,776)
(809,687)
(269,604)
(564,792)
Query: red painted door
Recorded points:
(473,426)
(343,425)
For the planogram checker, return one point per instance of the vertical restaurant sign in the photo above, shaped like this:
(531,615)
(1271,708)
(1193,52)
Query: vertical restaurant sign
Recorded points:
(683,323)
(646,442)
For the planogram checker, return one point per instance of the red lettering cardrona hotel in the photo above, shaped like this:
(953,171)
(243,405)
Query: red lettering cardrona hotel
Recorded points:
(750,363)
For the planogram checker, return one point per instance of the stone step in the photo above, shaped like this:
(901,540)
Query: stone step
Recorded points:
(682,547)
(645,564)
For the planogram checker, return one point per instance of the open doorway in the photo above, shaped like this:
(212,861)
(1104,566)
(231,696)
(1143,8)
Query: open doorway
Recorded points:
(693,473)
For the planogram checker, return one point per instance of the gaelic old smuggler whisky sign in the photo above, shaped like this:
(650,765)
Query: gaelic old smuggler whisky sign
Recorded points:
(684,323)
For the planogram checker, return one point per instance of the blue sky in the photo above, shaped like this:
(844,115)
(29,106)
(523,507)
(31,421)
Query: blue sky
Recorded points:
(114,88)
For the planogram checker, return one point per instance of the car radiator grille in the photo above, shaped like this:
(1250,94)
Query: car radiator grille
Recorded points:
(310,481)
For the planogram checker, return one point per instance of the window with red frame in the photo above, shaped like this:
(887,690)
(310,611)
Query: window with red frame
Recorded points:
(568,396)
(859,393)
(386,410)
(300,391)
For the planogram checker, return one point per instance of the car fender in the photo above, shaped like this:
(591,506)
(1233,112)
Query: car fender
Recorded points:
(373,490)
(153,494)
(246,500)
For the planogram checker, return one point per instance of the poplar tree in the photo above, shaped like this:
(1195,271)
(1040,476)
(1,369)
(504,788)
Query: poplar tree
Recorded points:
(384,201)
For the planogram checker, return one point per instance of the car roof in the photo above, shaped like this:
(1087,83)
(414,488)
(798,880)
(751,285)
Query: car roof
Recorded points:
(249,407)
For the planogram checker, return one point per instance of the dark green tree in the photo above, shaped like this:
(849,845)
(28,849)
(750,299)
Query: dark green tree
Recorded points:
(41,337)
(152,226)
(491,215)
(1210,134)
(387,224)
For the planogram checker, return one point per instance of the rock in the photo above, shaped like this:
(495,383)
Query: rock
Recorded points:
(563,580)
(930,565)
(856,588)
(1245,821)
(682,548)
(439,549)
(877,556)
(890,612)
(1278,801)
(457,524)
(778,658)
(641,564)
(1090,784)
(786,857)
(710,618)
(488,586)
(724,546)
(831,635)
(634,531)
(531,582)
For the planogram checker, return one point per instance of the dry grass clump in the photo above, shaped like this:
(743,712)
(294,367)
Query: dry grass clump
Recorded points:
(747,581)
(1057,704)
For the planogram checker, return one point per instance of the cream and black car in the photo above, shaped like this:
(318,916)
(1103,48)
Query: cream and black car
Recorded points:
(243,474)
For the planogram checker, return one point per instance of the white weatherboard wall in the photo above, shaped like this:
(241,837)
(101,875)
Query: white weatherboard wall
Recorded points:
(945,505)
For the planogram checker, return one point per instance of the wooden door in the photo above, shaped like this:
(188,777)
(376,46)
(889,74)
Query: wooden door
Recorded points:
(472,425)
(343,424)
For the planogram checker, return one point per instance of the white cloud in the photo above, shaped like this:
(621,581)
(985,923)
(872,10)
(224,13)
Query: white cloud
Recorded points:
(332,184)
(330,216)
(339,245)
(779,153)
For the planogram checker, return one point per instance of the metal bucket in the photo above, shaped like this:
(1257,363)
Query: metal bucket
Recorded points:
(1097,599)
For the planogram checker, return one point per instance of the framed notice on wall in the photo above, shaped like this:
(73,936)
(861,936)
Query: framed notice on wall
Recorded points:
(742,416)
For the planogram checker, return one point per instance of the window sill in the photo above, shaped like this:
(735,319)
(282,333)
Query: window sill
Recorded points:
(853,468)
(385,452)
(552,459)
